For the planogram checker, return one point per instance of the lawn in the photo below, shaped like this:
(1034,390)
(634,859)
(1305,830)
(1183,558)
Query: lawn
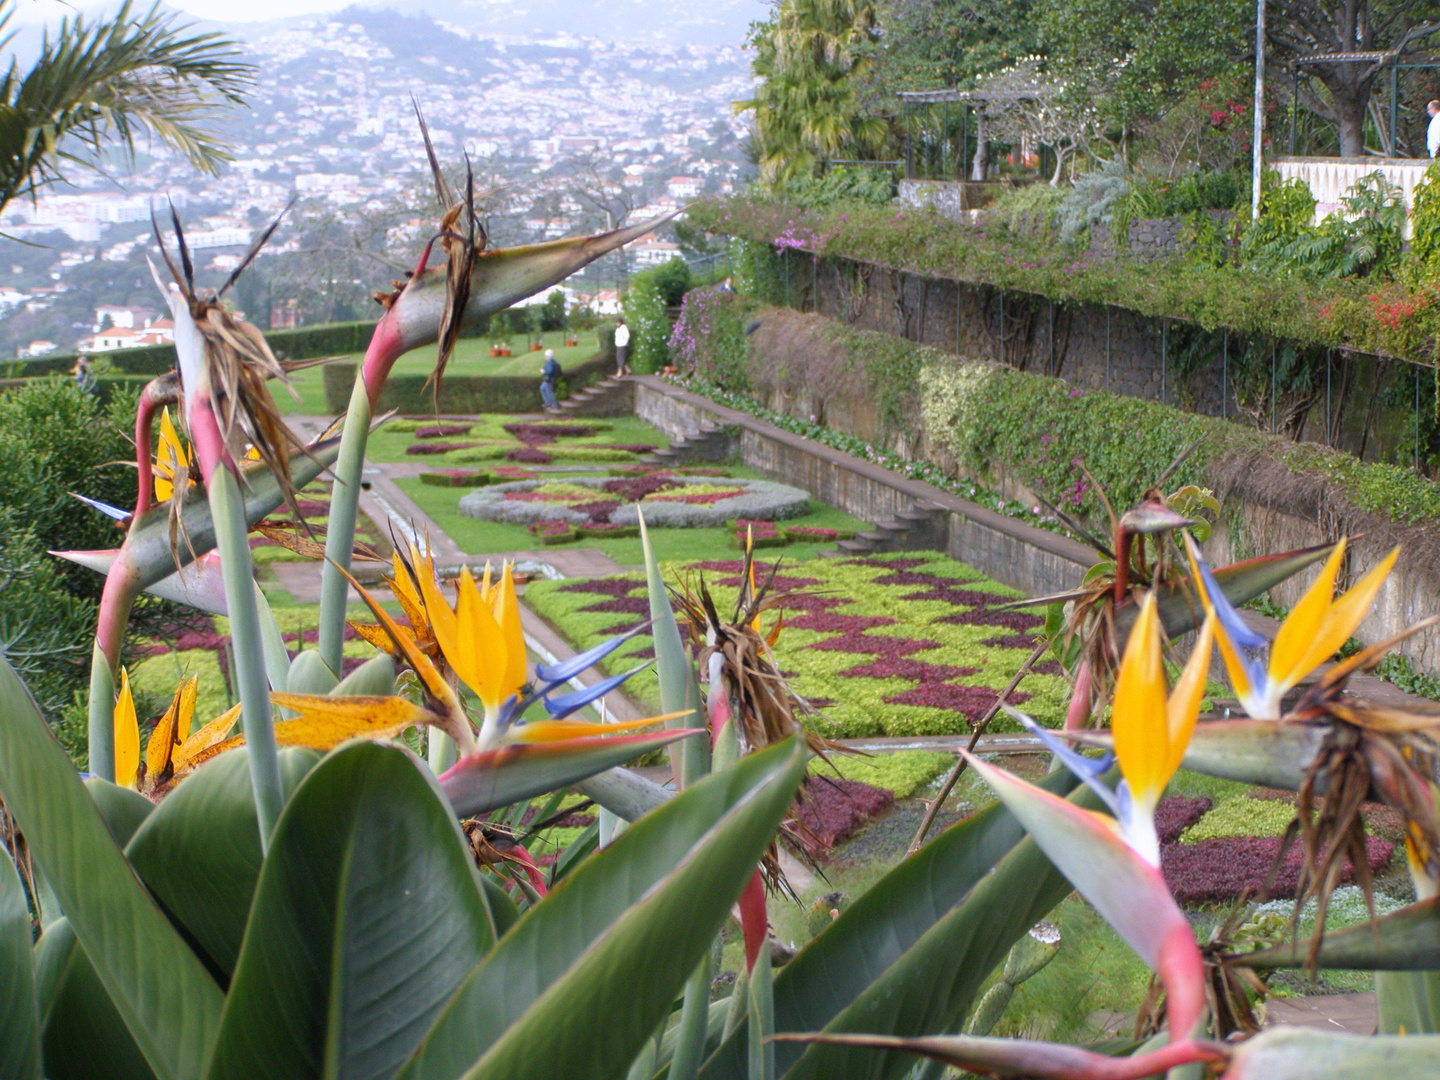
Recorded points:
(471,357)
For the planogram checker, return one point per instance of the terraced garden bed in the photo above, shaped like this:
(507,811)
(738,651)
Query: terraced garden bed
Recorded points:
(912,644)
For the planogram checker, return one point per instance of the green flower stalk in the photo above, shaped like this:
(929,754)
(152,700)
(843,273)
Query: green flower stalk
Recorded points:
(434,305)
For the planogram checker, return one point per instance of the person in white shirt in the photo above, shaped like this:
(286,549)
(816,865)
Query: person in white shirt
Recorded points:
(1432,134)
(622,349)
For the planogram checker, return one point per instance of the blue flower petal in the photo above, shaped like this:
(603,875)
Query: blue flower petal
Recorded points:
(1235,628)
(568,669)
(565,705)
(1087,769)
(109,511)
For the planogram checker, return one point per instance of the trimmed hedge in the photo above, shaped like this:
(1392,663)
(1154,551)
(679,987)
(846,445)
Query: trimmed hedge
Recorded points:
(302,343)
(460,394)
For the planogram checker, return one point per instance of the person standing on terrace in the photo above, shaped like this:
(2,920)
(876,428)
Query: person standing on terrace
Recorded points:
(549,378)
(622,349)
(1432,134)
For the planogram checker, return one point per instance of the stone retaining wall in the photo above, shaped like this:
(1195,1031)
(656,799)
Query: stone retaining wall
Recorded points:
(1021,556)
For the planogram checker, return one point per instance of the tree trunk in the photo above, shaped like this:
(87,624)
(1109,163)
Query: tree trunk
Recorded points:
(1350,112)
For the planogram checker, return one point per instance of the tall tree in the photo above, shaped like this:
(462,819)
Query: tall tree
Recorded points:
(1300,32)
(95,86)
(810,56)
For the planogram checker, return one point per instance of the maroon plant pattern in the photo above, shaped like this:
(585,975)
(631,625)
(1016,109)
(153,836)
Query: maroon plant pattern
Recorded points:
(438,447)
(442,431)
(1222,869)
(830,809)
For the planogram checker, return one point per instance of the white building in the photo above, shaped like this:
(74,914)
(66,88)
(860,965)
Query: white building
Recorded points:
(684,187)
(159,332)
(122,317)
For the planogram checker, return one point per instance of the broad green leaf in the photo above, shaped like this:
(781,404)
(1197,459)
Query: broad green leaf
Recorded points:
(122,809)
(933,986)
(493,778)
(1408,1002)
(1404,940)
(199,852)
(628,925)
(19,1014)
(1295,1053)
(870,944)
(367,916)
(168,1001)
(310,675)
(676,673)
(272,642)
(375,677)
(624,793)
(82,1035)
(1252,752)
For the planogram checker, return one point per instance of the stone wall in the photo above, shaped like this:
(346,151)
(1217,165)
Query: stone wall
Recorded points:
(1153,238)
(1013,553)
(1115,349)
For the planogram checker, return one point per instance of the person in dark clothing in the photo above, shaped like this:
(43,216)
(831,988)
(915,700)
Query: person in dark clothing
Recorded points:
(549,378)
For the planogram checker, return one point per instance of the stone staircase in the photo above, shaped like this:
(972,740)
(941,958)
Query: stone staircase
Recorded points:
(608,397)
(710,443)
(920,528)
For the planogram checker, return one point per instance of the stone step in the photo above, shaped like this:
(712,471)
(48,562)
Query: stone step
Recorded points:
(876,538)
(857,546)
(897,530)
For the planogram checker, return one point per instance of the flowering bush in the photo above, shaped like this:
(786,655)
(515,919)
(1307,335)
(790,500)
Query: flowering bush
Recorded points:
(708,341)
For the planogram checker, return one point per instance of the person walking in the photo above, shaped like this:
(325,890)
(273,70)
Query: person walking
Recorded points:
(1432,133)
(549,378)
(622,349)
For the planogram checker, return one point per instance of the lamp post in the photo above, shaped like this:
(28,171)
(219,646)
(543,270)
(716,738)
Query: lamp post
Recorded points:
(1258,154)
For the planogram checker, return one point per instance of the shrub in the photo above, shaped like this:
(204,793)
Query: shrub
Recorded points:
(845,183)
(1027,211)
(708,340)
(673,280)
(1092,201)
(649,325)
(1425,223)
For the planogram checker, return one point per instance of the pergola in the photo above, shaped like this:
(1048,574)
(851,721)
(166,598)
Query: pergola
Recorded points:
(976,101)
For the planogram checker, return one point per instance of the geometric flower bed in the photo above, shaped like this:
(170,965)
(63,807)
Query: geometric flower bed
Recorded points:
(669,502)
(912,644)
(1215,853)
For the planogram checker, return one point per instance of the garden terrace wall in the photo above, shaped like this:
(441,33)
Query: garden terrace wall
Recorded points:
(460,394)
(1277,494)
(1371,411)
(1015,554)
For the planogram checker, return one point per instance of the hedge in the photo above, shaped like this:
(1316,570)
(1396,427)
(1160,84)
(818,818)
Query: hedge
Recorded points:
(302,343)
(460,394)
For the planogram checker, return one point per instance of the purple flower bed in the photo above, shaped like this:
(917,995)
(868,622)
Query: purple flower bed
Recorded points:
(540,434)
(1176,814)
(815,534)
(552,532)
(831,809)
(633,489)
(1215,870)
(439,447)
(514,472)
(527,454)
(442,431)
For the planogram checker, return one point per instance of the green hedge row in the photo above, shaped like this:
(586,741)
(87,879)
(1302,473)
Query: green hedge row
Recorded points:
(460,394)
(302,343)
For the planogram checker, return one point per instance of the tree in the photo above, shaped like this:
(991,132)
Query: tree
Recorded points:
(1136,59)
(97,85)
(1300,31)
(933,44)
(811,57)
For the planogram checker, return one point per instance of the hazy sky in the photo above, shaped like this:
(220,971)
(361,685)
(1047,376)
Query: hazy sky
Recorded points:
(224,10)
